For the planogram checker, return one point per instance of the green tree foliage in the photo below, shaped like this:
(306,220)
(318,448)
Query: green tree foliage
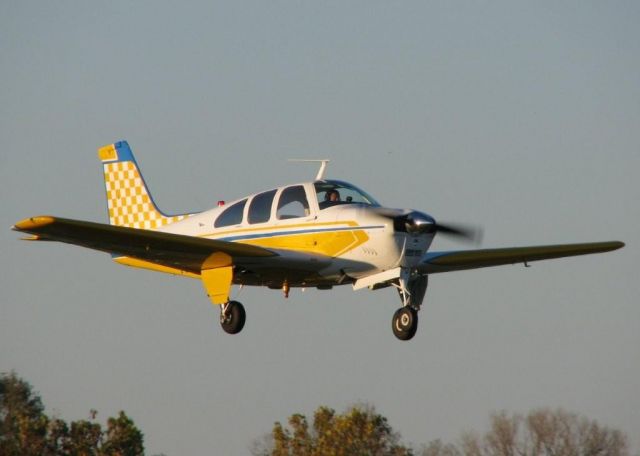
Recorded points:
(360,431)
(83,438)
(23,424)
(123,438)
(25,429)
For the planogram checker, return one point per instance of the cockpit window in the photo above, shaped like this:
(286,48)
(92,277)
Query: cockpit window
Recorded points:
(292,203)
(260,207)
(231,215)
(333,192)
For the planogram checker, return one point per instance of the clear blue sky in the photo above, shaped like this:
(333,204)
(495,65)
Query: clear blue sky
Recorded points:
(520,117)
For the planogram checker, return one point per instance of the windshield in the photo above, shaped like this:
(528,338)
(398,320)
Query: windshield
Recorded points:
(333,192)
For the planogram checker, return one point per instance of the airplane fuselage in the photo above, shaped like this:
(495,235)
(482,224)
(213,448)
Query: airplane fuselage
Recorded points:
(340,241)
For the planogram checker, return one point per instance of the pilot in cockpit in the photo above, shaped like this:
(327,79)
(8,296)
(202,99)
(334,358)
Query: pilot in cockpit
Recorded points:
(332,196)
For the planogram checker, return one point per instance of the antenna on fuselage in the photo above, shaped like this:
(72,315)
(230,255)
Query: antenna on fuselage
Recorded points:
(323,165)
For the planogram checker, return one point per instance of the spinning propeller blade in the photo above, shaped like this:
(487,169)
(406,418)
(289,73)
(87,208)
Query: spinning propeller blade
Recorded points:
(417,222)
(467,233)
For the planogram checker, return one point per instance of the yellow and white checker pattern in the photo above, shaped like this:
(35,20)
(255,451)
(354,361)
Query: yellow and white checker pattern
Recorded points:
(129,202)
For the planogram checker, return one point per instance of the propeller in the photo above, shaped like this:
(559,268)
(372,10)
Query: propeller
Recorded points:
(416,222)
(466,233)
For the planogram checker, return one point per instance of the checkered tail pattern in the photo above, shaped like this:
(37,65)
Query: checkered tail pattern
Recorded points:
(128,199)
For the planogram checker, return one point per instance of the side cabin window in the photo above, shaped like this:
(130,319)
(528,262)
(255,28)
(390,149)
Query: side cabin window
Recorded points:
(293,203)
(231,215)
(260,207)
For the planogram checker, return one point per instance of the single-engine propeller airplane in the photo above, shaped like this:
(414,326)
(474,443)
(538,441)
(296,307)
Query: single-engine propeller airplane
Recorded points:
(318,234)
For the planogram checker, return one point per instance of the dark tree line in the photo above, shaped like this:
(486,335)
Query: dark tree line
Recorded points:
(26,430)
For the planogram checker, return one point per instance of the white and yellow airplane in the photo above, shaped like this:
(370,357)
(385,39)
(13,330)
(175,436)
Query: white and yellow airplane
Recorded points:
(313,234)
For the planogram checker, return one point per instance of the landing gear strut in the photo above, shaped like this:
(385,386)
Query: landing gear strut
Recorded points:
(232,317)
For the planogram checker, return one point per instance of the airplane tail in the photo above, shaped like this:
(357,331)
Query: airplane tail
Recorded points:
(129,201)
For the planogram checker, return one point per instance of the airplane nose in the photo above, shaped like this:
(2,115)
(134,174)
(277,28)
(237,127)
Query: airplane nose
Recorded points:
(407,220)
(416,222)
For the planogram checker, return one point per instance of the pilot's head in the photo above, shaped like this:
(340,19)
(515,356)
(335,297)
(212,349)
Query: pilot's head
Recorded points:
(332,195)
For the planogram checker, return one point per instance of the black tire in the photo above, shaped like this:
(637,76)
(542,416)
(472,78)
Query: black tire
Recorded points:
(405,323)
(235,317)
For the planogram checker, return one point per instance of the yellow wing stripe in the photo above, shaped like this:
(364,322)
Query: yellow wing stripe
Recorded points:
(34,222)
(137,263)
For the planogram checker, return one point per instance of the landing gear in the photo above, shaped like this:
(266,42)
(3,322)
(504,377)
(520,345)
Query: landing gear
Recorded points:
(405,323)
(411,290)
(232,317)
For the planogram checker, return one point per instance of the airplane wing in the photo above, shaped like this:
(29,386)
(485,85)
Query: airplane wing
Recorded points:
(186,253)
(458,260)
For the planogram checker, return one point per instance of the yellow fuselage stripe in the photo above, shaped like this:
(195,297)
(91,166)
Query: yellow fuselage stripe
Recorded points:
(329,243)
(324,242)
(219,233)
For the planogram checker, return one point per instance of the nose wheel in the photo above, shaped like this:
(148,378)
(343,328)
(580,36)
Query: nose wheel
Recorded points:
(232,317)
(405,323)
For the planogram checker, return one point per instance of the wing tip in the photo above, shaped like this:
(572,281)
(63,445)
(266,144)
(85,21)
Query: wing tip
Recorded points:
(615,245)
(33,222)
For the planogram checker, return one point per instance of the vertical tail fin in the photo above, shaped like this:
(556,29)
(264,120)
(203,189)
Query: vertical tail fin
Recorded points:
(129,201)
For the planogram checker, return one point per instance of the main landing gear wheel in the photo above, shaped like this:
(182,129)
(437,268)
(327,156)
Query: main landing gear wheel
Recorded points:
(232,317)
(405,323)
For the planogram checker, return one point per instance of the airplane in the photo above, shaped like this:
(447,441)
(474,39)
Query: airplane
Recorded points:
(317,234)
